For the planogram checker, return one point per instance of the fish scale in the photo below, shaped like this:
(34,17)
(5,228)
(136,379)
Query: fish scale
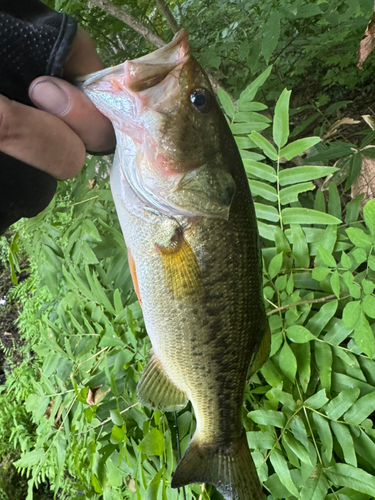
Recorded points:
(189,223)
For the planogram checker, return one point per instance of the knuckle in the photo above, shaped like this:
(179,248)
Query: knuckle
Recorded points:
(73,161)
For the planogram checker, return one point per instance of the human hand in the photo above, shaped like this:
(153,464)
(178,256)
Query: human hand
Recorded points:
(54,137)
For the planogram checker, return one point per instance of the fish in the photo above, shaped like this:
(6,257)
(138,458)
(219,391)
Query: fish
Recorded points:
(188,219)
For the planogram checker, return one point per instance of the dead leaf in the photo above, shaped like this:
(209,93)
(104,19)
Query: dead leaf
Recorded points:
(370,121)
(365,182)
(344,121)
(367,43)
(95,395)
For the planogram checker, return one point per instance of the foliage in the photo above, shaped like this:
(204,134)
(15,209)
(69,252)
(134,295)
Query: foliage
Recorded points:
(314,436)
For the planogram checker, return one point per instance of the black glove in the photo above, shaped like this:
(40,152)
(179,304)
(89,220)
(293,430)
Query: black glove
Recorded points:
(34,41)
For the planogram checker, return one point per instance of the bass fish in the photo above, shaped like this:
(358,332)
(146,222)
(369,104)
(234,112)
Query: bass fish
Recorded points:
(188,219)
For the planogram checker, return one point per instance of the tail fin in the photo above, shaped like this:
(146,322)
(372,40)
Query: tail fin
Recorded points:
(230,468)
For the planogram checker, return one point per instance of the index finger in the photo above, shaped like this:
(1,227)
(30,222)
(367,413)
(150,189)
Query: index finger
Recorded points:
(40,140)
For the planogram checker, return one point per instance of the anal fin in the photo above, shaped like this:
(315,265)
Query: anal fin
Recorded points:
(156,390)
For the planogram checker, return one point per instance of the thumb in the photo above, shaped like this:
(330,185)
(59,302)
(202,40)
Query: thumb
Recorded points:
(71,105)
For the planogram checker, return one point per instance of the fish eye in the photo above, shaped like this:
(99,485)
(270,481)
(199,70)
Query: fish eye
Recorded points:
(201,99)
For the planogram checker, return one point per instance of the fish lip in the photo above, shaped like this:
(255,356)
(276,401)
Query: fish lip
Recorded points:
(162,59)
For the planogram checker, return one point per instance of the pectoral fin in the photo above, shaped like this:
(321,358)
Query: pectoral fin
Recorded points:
(181,268)
(156,390)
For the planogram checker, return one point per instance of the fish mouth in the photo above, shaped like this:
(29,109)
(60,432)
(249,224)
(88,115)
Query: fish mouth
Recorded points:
(146,71)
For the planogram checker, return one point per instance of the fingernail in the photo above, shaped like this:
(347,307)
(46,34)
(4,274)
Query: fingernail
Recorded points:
(50,97)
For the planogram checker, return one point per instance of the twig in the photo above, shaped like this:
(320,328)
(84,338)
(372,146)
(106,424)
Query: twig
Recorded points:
(164,9)
(302,303)
(142,30)
(131,21)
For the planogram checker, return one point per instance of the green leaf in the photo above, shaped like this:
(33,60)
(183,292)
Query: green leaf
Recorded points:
(267,417)
(361,409)
(30,458)
(281,119)
(264,190)
(152,443)
(341,403)
(359,255)
(275,265)
(118,434)
(317,400)
(351,477)
(249,117)
(153,487)
(335,283)
(282,244)
(260,440)
(226,102)
(288,362)
(251,106)
(111,339)
(369,216)
(352,209)
(249,93)
(299,334)
(290,194)
(325,257)
(243,143)
(266,212)
(319,320)
(271,33)
(345,440)
(266,231)
(368,305)
(346,261)
(264,145)
(306,216)
(114,474)
(281,468)
(302,174)
(324,360)
(247,128)
(358,237)
(355,168)
(298,147)
(371,262)
(325,435)
(368,287)
(316,487)
(259,170)
(334,202)
(297,448)
(364,336)
(300,252)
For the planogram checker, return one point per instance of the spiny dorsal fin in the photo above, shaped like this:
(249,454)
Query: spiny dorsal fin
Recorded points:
(156,390)
(230,468)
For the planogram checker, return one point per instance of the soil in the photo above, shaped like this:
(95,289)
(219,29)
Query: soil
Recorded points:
(10,340)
